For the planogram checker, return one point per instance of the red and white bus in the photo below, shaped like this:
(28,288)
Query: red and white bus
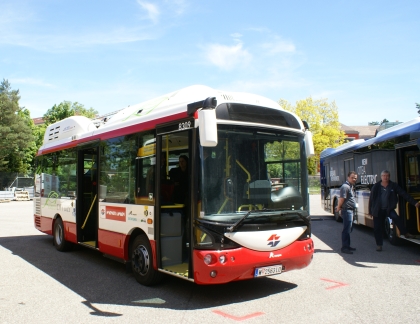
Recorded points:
(107,187)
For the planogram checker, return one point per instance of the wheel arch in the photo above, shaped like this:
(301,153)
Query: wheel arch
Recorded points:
(334,200)
(135,232)
(391,231)
(55,217)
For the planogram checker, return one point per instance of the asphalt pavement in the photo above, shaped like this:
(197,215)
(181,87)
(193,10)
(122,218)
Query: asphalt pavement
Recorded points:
(39,284)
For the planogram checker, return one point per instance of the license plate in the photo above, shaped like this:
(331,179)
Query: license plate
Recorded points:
(268,271)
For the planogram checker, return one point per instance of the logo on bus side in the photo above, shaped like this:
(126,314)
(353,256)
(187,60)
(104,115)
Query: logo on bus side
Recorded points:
(115,213)
(365,178)
(333,175)
(273,240)
(272,255)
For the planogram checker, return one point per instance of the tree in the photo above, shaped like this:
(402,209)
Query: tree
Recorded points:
(322,118)
(67,109)
(16,139)
(376,123)
(418,108)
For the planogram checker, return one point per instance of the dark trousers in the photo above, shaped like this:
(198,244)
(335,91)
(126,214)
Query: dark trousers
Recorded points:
(347,216)
(378,225)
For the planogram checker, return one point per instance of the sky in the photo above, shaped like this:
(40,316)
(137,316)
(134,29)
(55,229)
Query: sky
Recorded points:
(106,55)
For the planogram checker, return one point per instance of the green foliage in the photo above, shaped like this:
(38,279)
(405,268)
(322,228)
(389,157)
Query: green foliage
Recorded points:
(322,118)
(418,108)
(286,154)
(67,109)
(16,139)
(375,123)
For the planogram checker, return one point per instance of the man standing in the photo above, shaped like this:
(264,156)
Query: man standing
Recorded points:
(382,203)
(347,204)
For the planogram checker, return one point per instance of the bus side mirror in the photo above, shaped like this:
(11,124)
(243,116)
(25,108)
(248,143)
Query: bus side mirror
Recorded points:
(309,144)
(207,123)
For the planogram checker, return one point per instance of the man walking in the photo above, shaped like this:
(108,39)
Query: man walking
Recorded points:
(347,205)
(382,203)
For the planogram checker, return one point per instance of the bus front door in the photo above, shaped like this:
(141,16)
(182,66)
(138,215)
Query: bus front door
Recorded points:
(173,154)
(87,197)
(411,184)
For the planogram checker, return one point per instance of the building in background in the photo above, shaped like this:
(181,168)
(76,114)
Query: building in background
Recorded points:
(359,132)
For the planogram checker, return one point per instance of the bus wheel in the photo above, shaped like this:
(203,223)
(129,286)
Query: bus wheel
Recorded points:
(58,236)
(391,232)
(337,216)
(142,262)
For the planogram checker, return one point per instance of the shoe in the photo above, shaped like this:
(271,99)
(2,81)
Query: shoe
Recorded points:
(346,251)
(379,248)
(408,235)
(351,248)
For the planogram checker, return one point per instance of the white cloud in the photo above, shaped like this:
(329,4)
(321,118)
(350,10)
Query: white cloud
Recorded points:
(74,42)
(152,10)
(279,46)
(30,81)
(228,57)
(179,6)
(236,35)
(325,94)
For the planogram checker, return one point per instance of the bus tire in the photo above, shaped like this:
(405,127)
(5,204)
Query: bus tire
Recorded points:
(142,262)
(58,236)
(391,232)
(337,216)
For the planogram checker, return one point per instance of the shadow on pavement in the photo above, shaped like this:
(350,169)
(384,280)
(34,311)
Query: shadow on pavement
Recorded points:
(101,280)
(328,231)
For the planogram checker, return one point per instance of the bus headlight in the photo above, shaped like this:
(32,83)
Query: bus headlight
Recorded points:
(207,259)
(222,259)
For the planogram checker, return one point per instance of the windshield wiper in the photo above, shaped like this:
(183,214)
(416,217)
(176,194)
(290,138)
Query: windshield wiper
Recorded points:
(306,220)
(239,222)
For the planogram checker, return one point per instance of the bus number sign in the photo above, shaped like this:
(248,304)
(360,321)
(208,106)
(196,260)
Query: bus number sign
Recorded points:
(184,125)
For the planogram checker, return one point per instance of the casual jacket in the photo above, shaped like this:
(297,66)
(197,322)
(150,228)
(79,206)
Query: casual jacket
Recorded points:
(393,193)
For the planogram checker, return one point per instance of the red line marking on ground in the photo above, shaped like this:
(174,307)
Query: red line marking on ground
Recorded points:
(237,318)
(339,284)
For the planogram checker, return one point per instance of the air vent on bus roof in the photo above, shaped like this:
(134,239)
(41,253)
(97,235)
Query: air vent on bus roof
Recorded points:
(53,133)
(68,129)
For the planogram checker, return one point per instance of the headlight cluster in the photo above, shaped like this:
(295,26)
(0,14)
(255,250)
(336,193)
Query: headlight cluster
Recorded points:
(211,258)
(308,247)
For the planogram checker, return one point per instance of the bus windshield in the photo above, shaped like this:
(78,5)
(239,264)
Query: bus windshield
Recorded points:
(252,170)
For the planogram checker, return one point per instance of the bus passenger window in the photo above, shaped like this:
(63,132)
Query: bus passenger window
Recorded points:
(145,165)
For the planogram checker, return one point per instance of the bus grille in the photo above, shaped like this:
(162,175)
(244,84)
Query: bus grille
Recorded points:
(38,221)
(37,206)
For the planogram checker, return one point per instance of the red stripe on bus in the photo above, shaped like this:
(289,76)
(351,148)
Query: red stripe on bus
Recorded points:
(148,125)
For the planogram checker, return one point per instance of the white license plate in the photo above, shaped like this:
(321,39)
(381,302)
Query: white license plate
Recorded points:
(268,271)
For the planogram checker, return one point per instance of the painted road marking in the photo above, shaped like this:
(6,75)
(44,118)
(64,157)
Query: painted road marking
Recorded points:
(237,318)
(339,284)
(150,301)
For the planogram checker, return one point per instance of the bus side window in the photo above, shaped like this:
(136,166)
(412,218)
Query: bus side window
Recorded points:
(145,192)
